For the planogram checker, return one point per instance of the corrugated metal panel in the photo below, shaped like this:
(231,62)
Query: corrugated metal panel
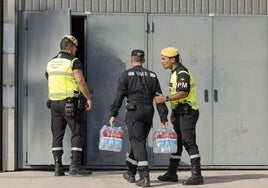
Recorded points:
(198,7)
(124,6)
(50,4)
(183,7)
(132,6)
(110,6)
(263,7)
(102,6)
(35,5)
(42,4)
(73,5)
(57,4)
(94,5)
(65,4)
(147,6)
(255,7)
(80,6)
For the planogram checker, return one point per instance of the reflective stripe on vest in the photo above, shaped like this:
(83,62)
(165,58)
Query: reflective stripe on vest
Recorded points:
(190,99)
(61,82)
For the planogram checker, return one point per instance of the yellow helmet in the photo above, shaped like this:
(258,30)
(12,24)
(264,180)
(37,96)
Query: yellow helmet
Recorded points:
(71,38)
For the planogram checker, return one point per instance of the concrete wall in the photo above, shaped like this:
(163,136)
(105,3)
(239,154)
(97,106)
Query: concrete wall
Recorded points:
(8,109)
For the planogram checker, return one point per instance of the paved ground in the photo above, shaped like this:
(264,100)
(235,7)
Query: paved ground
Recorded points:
(113,179)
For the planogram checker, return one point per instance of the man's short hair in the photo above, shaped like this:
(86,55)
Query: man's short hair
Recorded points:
(138,55)
(68,40)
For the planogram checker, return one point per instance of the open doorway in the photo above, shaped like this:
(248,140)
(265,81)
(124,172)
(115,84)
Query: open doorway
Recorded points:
(78,31)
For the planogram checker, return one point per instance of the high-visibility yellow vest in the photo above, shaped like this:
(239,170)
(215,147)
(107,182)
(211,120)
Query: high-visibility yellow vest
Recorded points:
(191,98)
(61,82)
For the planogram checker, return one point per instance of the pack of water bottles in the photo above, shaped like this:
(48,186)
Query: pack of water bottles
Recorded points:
(111,138)
(165,141)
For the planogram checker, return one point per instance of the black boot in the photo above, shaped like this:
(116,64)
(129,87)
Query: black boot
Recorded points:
(144,180)
(76,167)
(196,178)
(130,174)
(79,170)
(171,174)
(129,177)
(58,170)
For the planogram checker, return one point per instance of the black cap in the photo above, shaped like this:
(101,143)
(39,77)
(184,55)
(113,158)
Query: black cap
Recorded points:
(138,53)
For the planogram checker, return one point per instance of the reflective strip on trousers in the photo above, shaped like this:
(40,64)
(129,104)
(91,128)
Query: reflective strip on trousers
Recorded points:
(76,149)
(57,148)
(143,163)
(194,156)
(132,161)
(175,157)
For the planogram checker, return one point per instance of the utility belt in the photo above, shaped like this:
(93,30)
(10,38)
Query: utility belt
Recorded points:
(132,105)
(71,104)
(183,109)
(144,103)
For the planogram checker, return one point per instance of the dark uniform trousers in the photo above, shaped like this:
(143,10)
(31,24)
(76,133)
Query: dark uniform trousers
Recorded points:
(185,127)
(58,127)
(139,123)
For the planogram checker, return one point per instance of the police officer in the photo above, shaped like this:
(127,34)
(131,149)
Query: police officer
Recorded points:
(139,86)
(66,83)
(185,113)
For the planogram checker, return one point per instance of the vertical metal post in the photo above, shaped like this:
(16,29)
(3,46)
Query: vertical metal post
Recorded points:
(1,77)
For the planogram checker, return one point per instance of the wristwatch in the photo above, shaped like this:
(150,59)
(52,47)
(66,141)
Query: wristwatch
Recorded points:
(167,98)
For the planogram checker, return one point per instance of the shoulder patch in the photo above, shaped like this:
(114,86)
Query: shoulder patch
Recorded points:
(131,74)
(182,79)
(152,75)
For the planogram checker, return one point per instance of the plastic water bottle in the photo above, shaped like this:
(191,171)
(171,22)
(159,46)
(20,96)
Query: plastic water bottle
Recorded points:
(158,141)
(111,138)
(103,142)
(165,141)
(118,139)
(155,149)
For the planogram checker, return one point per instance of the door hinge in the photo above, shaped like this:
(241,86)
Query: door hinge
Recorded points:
(26,158)
(26,90)
(152,29)
(26,25)
(147,28)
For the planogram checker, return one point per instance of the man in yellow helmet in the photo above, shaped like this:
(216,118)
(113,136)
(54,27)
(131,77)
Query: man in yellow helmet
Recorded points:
(69,97)
(185,113)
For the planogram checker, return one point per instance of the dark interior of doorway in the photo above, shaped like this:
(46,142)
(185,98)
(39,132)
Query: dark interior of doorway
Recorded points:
(78,30)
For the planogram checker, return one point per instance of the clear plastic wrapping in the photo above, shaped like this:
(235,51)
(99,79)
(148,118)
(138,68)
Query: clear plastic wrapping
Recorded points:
(165,141)
(111,138)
